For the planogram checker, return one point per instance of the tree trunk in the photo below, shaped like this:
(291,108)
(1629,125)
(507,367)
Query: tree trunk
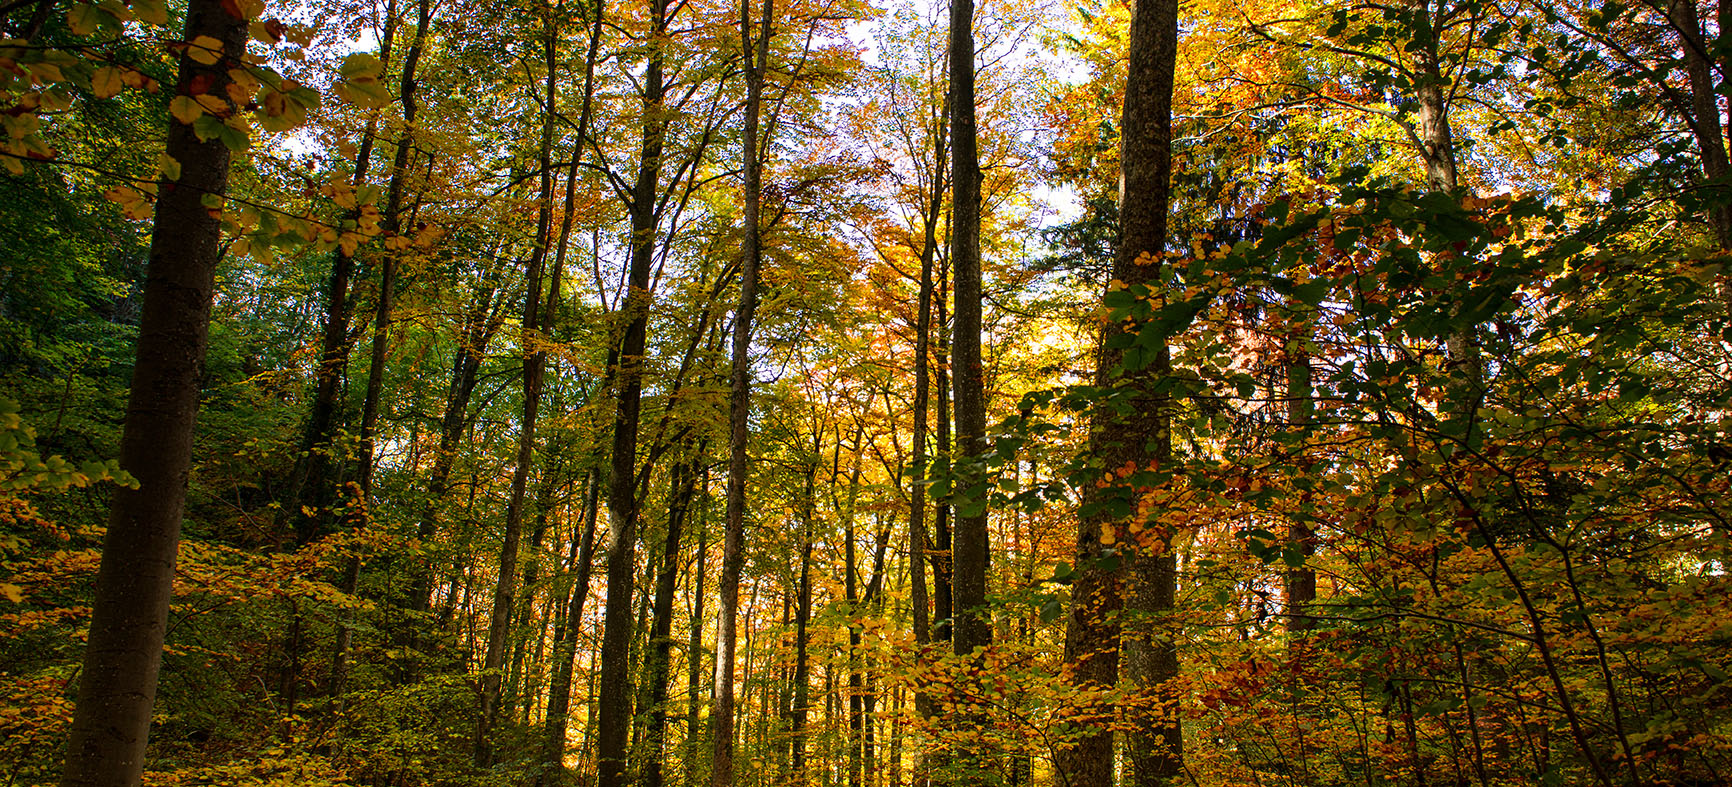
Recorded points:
(129,617)
(683,489)
(739,400)
(798,709)
(565,644)
(614,700)
(1151,659)
(535,315)
(312,470)
(390,224)
(1301,581)
(695,648)
(972,629)
(480,323)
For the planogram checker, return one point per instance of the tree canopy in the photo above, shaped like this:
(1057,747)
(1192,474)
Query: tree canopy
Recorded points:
(1002,392)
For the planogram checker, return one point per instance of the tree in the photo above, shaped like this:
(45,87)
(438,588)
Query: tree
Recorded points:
(129,618)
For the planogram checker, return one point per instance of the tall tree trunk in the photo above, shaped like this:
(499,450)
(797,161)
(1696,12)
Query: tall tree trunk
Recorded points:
(480,324)
(129,617)
(802,699)
(919,548)
(535,315)
(695,648)
(942,613)
(973,627)
(313,464)
(390,223)
(614,701)
(1151,658)
(740,398)
(1301,580)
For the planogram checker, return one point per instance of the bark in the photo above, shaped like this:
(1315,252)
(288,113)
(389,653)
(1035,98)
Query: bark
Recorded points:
(695,650)
(739,399)
(918,545)
(1133,433)
(683,491)
(312,470)
(1301,581)
(480,323)
(565,644)
(614,699)
(942,614)
(799,708)
(129,617)
(1150,654)
(390,223)
(535,315)
(973,627)
(1705,111)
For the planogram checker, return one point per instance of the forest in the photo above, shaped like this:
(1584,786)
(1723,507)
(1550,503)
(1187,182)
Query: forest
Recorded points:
(880,393)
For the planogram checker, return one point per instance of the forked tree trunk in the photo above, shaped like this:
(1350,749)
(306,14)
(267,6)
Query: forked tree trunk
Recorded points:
(391,223)
(129,617)
(683,489)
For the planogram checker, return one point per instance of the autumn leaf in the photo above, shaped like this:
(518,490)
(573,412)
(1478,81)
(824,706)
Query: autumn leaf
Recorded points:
(205,50)
(106,82)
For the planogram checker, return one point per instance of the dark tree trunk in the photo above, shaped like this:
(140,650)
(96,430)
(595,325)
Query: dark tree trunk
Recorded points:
(312,473)
(614,701)
(535,316)
(129,617)
(695,649)
(799,706)
(1150,659)
(480,323)
(565,643)
(390,223)
(739,400)
(683,491)
(973,627)
(942,614)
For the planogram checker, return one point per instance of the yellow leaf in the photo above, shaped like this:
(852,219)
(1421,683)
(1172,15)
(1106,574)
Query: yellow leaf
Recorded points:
(106,82)
(205,49)
(46,73)
(170,168)
(349,242)
(12,592)
(82,18)
(185,109)
(151,11)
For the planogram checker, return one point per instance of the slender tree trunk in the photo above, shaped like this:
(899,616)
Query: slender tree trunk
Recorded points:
(740,398)
(919,549)
(565,647)
(390,224)
(683,490)
(798,709)
(1301,581)
(479,325)
(614,700)
(973,627)
(312,470)
(535,315)
(129,617)
(695,649)
(942,613)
